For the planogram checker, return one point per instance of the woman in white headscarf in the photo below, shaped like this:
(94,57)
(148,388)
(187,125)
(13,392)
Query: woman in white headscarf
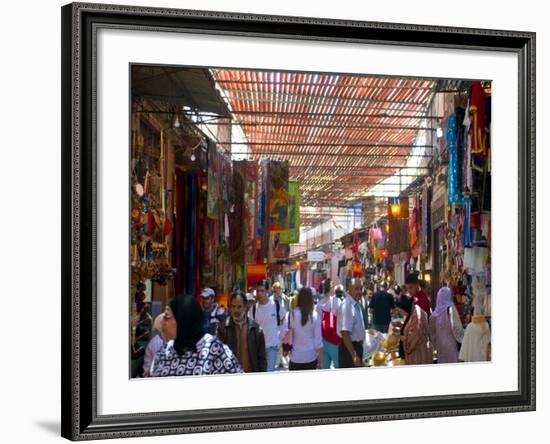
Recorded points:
(154,345)
(476,345)
(446,331)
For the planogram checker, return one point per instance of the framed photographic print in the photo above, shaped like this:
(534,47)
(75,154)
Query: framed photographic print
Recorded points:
(258,209)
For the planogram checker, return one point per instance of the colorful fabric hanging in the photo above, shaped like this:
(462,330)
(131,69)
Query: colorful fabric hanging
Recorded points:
(292,235)
(180,230)
(213,193)
(237,225)
(191,234)
(467,177)
(250,214)
(454,193)
(425,220)
(467,217)
(263,225)
(277,250)
(357,269)
(414,239)
(278,196)
(477,110)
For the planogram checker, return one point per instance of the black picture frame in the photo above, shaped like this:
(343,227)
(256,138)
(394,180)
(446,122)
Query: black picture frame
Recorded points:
(80,420)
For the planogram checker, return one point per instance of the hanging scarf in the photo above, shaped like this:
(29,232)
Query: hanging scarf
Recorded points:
(455,196)
(467,217)
(477,110)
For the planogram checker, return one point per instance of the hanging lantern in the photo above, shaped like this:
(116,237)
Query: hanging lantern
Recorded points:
(395,209)
(387,228)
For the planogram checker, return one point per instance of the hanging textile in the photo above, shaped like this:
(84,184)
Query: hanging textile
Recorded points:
(316,281)
(208,263)
(357,269)
(191,234)
(213,193)
(460,144)
(237,223)
(292,235)
(250,210)
(240,276)
(467,217)
(454,194)
(477,110)
(309,278)
(197,235)
(277,250)
(180,231)
(425,220)
(228,192)
(414,239)
(467,178)
(255,273)
(278,197)
(277,210)
(263,226)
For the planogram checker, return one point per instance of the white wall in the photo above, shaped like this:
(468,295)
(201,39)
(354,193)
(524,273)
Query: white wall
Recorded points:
(30,243)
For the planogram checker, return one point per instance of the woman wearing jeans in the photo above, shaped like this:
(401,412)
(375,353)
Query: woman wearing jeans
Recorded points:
(304,325)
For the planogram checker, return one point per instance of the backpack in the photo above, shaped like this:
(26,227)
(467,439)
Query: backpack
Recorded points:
(277,311)
(328,328)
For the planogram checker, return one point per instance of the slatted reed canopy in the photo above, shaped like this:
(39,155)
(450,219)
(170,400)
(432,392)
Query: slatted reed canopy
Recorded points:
(342,134)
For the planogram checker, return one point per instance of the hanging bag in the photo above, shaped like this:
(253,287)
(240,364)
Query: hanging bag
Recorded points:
(377,233)
(328,328)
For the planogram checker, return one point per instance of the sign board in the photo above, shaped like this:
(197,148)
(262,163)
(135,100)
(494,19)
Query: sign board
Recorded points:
(316,256)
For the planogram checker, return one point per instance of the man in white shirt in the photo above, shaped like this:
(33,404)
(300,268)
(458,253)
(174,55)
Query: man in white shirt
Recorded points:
(268,313)
(351,327)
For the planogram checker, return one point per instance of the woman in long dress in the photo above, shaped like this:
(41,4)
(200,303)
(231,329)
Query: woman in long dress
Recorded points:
(446,331)
(415,346)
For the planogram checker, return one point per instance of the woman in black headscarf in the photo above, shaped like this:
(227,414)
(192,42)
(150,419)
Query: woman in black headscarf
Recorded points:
(188,351)
(414,344)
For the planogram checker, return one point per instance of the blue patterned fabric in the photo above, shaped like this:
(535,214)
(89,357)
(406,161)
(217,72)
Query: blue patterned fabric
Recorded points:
(455,196)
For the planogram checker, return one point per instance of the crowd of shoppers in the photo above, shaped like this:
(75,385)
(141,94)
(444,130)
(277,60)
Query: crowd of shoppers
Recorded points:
(264,330)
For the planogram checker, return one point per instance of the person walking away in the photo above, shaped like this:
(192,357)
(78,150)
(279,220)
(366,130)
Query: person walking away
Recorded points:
(154,345)
(213,313)
(327,309)
(446,331)
(189,351)
(243,335)
(380,307)
(418,294)
(351,327)
(415,346)
(282,299)
(268,313)
(304,325)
